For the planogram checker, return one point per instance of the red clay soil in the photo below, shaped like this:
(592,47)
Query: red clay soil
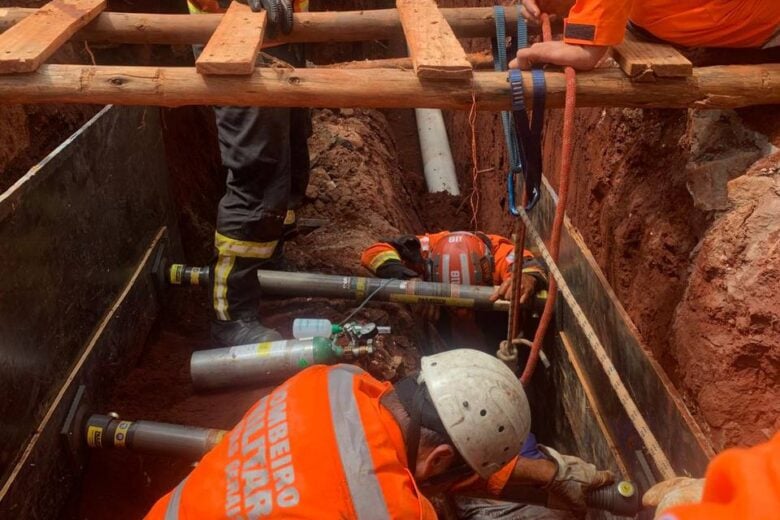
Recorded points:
(727,328)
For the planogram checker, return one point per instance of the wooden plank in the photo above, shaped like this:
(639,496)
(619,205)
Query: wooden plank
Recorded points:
(314,27)
(729,86)
(24,47)
(436,52)
(586,405)
(234,46)
(478,61)
(646,61)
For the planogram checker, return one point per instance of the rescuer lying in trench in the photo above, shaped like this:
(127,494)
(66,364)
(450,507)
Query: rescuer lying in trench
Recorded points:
(333,442)
(460,257)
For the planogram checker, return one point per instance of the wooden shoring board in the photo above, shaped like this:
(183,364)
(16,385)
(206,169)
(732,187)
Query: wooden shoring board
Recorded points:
(642,381)
(25,46)
(582,405)
(647,61)
(233,47)
(69,268)
(436,52)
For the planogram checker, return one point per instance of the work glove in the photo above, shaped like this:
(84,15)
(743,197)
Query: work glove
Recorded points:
(673,492)
(573,479)
(395,269)
(279,13)
(408,248)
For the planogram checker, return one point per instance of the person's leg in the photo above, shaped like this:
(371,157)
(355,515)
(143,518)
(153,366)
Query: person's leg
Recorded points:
(300,131)
(255,147)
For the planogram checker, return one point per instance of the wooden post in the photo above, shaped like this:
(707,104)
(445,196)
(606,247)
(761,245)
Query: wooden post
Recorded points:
(233,47)
(709,87)
(436,52)
(28,44)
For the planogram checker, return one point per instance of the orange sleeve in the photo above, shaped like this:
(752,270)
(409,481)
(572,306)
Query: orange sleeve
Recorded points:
(493,485)
(597,22)
(740,483)
(377,254)
(504,257)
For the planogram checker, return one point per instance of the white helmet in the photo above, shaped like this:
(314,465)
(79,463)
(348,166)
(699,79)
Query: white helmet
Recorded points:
(481,404)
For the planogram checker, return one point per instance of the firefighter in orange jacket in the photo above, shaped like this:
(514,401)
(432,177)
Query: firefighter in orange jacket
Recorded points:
(592,26)
(740,483)
(333,442)
(457,257)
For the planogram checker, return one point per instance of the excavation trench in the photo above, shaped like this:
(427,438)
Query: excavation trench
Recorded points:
(366,192)
(685,262)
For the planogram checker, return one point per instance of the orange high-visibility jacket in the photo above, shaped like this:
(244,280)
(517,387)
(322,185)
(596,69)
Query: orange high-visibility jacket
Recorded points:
(212,6)
(741,483)
(320,446)
(503,255)
(691,23)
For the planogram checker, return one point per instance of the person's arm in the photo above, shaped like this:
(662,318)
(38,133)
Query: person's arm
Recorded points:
(391,258)
(534,273)
(563,479)
(591,27)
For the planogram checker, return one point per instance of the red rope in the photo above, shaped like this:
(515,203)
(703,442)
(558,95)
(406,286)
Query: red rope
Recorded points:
(560,210)
(474,195)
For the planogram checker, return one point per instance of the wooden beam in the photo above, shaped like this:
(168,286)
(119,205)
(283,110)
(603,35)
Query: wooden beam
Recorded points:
(233,47)
(646,61)
(24,47)
(332,26)
(436,52)
(478,61)
(710,87)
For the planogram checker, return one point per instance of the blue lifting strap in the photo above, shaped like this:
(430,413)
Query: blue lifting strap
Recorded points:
(523,136)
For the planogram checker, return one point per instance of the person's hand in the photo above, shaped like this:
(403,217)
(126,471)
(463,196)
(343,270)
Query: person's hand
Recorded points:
(395,269)
(572,480)
(673,492)
(504,291)
(581,57)
(279,13)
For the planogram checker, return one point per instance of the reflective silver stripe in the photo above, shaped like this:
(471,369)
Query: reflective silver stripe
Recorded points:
(174,504)
(465,275)
(445,269)
(364,488)
(221,274)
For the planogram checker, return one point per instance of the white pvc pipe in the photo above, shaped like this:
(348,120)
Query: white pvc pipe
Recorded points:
(436,153)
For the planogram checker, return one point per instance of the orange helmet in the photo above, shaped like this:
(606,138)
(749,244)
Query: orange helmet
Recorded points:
(461,258)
